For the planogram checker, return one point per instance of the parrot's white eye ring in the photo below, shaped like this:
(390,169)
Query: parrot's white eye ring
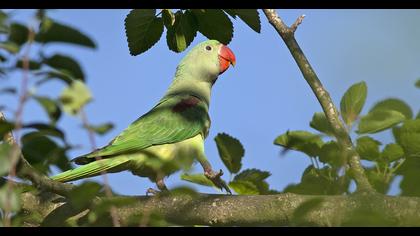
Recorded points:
(208,48)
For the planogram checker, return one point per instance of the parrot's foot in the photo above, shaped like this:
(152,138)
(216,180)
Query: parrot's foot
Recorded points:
(215,178)
(152,191)
(161,186)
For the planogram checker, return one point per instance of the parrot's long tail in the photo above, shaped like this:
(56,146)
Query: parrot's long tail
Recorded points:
(92,169)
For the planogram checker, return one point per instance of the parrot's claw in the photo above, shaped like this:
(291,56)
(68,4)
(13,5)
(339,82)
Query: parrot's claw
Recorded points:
(217,181)
(152,191)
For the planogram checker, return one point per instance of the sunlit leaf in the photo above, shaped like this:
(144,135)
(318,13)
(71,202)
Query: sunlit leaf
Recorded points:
(74,97)
(197,179)
(352,102)
(256,177)
(320,123)
(392,152)
(5,159)
(368,148)
(299,140)
(242,187)
(143,29)
(102,128)
(409,136)
(231,151)
(331,153)
(10,47)
(379,120)
(394,104)
(9,198)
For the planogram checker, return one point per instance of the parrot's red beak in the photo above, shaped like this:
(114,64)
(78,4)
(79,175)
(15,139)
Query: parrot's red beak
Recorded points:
(226,57)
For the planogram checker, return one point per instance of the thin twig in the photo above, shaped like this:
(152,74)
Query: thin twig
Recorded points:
(15,152)
(339,129)
(108,192)
(298,21)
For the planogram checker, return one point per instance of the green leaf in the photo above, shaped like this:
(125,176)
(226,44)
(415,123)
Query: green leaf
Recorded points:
(256,177)
(320,123)
(183,31)
(64,76)
(101,129)
(379,120)
(417,84)
(392,152)
(81,196)
(54,32)
(41,151)
(197,179)
(18,33)
(8,90)
(143,29)
(5,159)
(377,180)
(250,17)
(299,140)
(300,215)
(323,181)
(182,191)
(168,18)
(5,127)
(368,148)
(231,12)
(33,65)
(50,106)
(352,102)
(74,97)
(244,187)
(331,153)
(409,136)
(418,115)
(252,175)
(46,129)
(394,104)
(65,64)
(10,198)
(214,24)
(10,47)
(231,151)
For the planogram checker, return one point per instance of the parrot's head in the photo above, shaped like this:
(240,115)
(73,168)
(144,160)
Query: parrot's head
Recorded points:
(210,58)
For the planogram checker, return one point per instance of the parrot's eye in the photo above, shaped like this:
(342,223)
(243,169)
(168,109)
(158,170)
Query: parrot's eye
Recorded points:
(208,48)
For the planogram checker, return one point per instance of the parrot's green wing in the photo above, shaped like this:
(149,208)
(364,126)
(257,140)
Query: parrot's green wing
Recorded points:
(174,119)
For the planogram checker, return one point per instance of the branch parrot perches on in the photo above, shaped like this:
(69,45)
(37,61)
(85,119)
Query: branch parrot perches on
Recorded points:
(171,135)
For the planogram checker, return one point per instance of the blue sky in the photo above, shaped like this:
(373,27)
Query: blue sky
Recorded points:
(261,98)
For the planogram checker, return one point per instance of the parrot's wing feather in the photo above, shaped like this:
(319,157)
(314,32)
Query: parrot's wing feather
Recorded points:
(173,120)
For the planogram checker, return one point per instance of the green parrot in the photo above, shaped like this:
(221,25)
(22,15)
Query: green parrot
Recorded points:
(169,137)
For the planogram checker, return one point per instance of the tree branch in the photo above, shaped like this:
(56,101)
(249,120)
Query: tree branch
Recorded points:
(258,210)
(340,132)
